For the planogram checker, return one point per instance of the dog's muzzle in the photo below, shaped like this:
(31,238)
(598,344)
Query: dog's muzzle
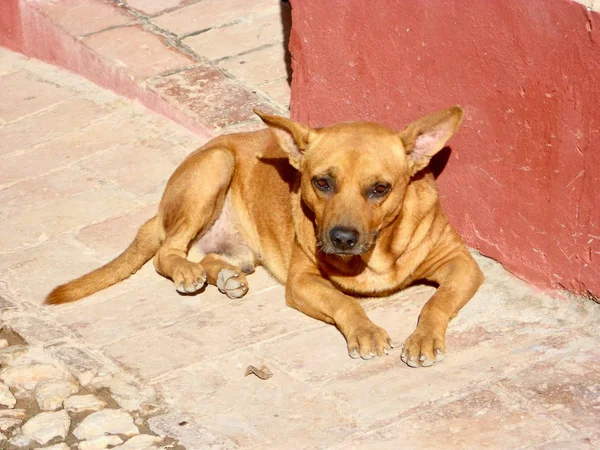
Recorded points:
(346,241)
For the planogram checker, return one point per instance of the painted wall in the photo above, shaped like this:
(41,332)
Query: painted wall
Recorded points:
(522,183)
(11,34)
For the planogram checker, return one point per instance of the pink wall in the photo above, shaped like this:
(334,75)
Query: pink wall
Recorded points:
(11,35)
(523,180)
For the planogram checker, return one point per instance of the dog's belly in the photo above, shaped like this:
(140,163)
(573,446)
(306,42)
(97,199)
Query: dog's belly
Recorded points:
(225,238)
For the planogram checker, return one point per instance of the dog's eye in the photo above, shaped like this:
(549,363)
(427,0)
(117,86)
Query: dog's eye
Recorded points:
(379,190)
(322,184)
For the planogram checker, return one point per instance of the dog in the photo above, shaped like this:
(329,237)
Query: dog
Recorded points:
(333,213)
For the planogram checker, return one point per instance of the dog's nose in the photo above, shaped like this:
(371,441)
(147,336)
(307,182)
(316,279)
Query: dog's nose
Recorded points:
(343,238)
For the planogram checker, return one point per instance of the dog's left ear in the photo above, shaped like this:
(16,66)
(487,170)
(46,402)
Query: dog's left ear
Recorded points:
(293,137)
(425,137)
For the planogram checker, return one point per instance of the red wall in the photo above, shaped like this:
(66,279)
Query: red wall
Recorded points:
(11,35)
(523,180)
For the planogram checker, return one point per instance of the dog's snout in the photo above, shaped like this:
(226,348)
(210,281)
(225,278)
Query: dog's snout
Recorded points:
(343,238)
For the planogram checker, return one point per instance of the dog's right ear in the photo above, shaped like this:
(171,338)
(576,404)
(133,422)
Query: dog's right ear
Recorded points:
(293,137)
(425,137)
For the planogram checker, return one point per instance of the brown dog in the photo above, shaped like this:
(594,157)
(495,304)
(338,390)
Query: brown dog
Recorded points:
(347,209)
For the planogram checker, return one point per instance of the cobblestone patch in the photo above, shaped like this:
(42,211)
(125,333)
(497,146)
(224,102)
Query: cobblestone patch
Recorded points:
(43,404)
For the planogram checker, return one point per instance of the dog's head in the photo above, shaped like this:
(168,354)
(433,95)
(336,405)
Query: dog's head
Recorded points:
(354,176)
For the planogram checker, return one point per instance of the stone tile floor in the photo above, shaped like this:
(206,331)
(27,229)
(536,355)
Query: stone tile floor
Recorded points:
(81,169)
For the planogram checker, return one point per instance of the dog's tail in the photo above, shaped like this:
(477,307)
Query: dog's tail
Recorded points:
(144,246)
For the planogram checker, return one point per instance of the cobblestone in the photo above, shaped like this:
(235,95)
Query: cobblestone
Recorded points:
(6,397)
(79,403)
(35,378)
(107,421)
(46,426)
(50,394)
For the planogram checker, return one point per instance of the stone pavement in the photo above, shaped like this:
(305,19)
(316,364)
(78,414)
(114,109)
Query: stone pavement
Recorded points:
(81,169)
(204,64)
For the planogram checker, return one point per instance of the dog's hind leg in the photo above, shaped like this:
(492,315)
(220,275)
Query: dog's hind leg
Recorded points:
(191,203)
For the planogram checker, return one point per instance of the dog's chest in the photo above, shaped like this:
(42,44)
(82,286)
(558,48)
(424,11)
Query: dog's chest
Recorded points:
(360,278)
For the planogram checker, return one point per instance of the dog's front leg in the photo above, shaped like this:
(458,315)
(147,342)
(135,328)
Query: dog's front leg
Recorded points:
(458,279)
(308,292)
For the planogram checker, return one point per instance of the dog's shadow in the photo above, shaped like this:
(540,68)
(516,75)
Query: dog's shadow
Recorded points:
(439,161)
(286,172)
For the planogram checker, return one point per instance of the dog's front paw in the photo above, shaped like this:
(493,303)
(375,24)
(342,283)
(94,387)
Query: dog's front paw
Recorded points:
(368,340)
(424,348)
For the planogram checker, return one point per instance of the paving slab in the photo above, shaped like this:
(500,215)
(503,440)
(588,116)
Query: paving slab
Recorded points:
(242,37)
(153,7)
(277,414)
(51,123)
(226,104)
(24,94)
(472,421)
(259,67)
(82,17)
(141,54)
(207,14)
